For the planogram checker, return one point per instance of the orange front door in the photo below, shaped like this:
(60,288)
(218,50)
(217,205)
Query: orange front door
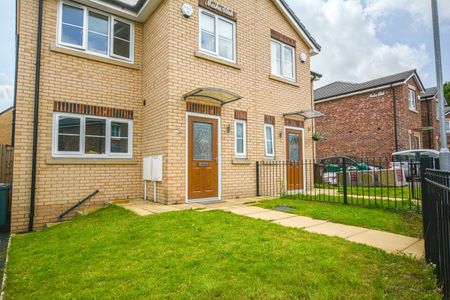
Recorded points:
(294,157)
(203,179)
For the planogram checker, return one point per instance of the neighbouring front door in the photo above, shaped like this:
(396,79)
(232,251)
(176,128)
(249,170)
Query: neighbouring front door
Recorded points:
(294,156)
(203,166)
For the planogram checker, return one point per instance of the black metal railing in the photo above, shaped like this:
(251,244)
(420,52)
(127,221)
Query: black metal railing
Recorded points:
(76,205)
(436,222)
(369,182)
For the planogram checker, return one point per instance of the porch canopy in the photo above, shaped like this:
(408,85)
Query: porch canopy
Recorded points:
(307,114)
(218,95)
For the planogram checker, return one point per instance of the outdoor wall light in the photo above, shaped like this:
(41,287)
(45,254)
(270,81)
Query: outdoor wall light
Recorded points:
(228,128)
(303,57)
(281,134)
(187,10)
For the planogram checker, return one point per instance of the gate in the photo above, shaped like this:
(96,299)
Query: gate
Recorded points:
(6,163)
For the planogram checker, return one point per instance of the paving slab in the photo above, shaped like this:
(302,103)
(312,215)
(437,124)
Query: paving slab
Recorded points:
(417,250)
(139,211)
(333,229)
(390,242)
(299,222)
(271,215)
(158,208)
(245,210)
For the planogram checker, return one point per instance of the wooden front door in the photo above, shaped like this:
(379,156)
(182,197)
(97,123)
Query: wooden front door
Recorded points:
(203,165)
(294,156)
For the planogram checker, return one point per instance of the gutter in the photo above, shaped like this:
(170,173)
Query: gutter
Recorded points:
(36,118)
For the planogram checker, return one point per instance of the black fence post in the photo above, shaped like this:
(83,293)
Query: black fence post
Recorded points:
(429,238)
(258,194)
(344,181)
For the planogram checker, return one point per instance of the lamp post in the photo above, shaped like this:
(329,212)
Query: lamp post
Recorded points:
(444,154)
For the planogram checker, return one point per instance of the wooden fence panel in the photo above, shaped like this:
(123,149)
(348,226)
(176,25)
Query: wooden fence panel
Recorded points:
(6,163)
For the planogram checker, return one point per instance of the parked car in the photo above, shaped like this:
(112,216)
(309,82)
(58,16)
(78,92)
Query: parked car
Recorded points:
(409,161)
(335,164)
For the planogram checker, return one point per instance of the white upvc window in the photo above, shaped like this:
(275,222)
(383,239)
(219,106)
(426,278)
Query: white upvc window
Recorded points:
(91,136)
(412,100)
(447,126)
(217,36)
(283,62)
(240,137)
(269,140)
(95,32)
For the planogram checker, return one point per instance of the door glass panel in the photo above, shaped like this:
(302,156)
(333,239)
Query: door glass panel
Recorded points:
(202,141)
(294,147)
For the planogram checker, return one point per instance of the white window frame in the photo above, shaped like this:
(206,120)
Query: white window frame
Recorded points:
(447,122)
(216,37)
(283,65)
(81,154)
(244,137)
(265,140)
(84,47)
(412,101)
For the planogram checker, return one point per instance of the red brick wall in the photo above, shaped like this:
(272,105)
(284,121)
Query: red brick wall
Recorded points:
(429,113)
(363,125)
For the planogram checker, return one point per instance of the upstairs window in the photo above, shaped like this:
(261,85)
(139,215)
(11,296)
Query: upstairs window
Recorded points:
(412,100)
(447,126)
(217,36)
(94,32)
(283,64)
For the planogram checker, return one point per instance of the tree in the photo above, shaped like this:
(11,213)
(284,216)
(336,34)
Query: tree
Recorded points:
(447,92)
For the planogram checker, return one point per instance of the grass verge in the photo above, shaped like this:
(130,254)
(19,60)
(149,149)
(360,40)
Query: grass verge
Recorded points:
(202,255)
(397,221)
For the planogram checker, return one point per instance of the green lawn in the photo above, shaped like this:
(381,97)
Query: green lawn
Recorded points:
(202,255)
(397,221)
(378,192)
(372,202)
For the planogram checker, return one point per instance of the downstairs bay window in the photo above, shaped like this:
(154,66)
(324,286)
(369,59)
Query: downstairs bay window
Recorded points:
(91,137)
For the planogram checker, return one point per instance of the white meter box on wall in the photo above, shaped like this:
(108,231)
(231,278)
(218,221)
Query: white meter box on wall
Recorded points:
(153,168)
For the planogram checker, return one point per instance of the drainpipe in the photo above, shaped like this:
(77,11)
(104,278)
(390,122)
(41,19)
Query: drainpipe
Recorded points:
(13,130)
(36,117)
(394,98)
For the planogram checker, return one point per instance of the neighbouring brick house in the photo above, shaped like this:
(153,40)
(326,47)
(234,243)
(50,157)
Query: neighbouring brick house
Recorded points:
(447,124)
(6,120)
(211,86)
(376,118)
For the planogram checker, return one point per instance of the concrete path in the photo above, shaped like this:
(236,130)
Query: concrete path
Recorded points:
(389,242)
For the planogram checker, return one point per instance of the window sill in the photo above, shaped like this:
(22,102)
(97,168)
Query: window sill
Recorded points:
(81,54)
(241,161)
(217,60)
(413,110)
(89,161)
(283,80)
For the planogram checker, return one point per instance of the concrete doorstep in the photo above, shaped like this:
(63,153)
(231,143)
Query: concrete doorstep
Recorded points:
(389,242)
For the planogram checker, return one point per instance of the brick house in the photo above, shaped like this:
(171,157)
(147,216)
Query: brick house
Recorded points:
(212,86)
(447,124)
(6,120)
(376,118)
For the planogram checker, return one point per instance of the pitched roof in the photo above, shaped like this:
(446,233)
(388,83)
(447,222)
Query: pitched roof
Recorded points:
(429,93)
(135,6)
(341,88)
(6,110)
(300,24)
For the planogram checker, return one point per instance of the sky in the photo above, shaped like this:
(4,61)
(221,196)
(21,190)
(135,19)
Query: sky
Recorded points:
(366,39)
(360,39)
